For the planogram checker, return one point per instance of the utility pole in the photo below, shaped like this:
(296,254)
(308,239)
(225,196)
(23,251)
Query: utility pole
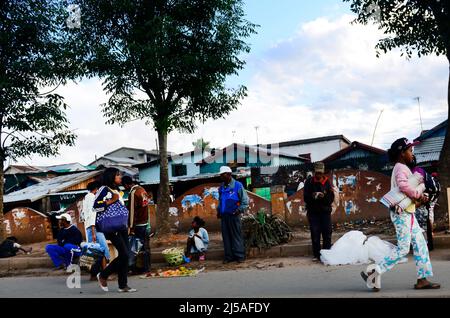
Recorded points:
(257,140)
(376,126)
(420,114)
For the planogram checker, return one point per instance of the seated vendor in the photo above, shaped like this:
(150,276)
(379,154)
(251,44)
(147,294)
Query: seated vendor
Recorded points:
(197,243)
(10,247)
(69,240)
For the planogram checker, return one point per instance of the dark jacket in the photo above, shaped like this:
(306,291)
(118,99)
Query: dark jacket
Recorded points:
(319,205)
(71,235)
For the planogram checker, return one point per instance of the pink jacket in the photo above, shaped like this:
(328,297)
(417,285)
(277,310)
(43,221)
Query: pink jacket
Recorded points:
(400,176)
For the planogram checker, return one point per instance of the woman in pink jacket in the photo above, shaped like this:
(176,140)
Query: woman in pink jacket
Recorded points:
(406,226)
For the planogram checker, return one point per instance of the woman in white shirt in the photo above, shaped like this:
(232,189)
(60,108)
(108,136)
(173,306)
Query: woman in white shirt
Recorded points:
(89,219)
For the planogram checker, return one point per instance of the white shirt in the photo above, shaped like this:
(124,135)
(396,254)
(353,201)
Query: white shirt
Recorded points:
(88,210)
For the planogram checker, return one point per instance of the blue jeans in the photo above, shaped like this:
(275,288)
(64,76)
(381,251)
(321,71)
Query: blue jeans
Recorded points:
(101,239)
(62,255)
(143,233)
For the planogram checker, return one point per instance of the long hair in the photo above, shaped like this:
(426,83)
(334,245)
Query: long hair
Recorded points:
(393,155)
(108,178)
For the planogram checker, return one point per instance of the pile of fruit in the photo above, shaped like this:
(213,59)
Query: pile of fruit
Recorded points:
(180,272)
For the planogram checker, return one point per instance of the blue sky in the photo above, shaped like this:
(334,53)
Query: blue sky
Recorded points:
(310,73)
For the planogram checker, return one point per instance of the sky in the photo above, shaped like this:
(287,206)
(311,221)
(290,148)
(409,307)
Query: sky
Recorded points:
(310,73)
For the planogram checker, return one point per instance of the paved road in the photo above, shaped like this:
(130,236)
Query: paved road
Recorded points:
(291,281)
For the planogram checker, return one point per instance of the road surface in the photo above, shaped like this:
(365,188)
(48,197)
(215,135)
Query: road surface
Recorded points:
(304,280)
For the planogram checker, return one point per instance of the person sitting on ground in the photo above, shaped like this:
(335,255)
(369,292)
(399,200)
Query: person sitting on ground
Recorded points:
(69,239)
(10,247)
(197,243)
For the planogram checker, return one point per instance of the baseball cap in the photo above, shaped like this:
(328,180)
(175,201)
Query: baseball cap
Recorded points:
(65,216)
(225,169)
(402,144)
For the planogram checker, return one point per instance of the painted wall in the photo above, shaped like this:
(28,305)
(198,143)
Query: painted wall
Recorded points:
(359,193)
(318,150)
(203,201)
(28,225)
(151,174)
(249,159)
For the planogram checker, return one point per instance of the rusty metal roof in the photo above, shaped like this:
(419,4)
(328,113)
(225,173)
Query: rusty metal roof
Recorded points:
(54,185)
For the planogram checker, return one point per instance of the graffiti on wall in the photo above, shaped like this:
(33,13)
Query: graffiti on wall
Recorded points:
(359,194)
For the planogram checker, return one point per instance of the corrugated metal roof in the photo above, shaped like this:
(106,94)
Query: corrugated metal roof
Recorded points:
(427,157)
(430,145)
(54,185)
(429,149)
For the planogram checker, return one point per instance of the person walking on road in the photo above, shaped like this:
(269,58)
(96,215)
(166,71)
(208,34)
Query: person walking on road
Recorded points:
(406,225)
(109,201)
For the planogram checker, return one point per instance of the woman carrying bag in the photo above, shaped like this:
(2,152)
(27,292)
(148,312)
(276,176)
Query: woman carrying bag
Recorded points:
(112,220)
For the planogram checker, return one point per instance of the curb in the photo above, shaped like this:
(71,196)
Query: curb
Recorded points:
(287,250)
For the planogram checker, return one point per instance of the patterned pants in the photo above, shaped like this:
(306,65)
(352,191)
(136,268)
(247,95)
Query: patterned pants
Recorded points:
(405,236)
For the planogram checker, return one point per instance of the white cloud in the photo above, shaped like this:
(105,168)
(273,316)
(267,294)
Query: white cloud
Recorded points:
(323,80)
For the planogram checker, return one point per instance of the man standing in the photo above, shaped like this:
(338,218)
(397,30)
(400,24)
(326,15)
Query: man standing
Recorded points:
(90,215)
(138,201)
(233,201)
(69,240)
(319,196)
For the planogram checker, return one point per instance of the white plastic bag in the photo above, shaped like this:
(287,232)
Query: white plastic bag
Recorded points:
(349,249)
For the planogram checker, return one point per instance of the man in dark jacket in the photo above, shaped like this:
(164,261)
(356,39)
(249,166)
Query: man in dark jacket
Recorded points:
(69,240)
(319,196)
(139,221)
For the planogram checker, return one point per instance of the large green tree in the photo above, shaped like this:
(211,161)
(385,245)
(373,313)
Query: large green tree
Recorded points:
(165,62)
(416,27)
(32,120)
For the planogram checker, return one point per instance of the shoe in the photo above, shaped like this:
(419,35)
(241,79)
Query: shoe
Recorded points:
(427,285)
(103,283)
(127,290)
(201,258)
(227,261)
(316,260)
(60,267)
(240,261)
(372,278)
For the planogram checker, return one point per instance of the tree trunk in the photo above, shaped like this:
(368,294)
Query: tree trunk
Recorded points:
(444,169)
(2,224)
(162,213)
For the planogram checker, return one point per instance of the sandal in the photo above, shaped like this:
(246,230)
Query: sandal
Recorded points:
(372,278)
(428,286)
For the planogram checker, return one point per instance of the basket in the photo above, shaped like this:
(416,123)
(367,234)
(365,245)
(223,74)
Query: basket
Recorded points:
(173,256)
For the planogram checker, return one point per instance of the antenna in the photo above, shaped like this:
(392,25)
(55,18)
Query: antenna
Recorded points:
(234,133)
(257,141)
(376,126)
(420,113)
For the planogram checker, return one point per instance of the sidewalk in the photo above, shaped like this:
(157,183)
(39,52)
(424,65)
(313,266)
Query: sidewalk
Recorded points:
(300,246)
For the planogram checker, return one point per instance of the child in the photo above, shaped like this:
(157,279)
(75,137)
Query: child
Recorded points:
(198,240)
(406,226)
(10,247)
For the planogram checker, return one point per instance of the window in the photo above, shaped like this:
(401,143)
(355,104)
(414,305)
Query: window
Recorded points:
(179,170)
